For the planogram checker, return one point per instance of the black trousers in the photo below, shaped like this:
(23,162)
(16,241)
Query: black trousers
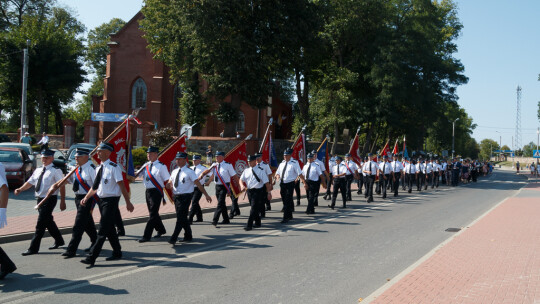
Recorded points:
(340,185)
(264,202)
(297,190)
(370,179)
(455,177)
(349,179)
(312,194)
(420,181)
(181,204)
(195,210)
(255,197)
(384,183)
(360,183)
(397,177)
(6,264)
(429,180)
(221,209)
(108,206)
(84,222)
(46,221)
(286,192)
(118,222)
(234,206)
(436,179)
(329,185)
(153,202)
(410,179)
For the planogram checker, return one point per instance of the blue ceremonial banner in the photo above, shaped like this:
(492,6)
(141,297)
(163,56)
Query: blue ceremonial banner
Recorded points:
(111,117)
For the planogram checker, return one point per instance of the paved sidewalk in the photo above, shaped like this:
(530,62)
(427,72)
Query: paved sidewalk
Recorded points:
(495,260)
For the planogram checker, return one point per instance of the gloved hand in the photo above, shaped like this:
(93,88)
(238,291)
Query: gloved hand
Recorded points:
(3,217)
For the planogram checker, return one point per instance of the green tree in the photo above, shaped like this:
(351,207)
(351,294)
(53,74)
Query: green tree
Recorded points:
(13,11)
(528,149)
(96,55)
(487,146)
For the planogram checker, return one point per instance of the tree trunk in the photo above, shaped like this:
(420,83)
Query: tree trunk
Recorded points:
(58,120)
(336,132)
(31,119)
(368,138)
(230,127)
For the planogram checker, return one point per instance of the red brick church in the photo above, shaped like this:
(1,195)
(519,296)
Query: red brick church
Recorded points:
(135,80)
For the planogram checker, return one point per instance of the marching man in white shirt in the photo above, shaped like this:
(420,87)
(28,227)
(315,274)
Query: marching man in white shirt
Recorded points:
(370,169)
(182,181)
(313,175)
(255,180)
(410,174)
(386,175)
(350,174)
(287,173)
(397,168)
(6,264)
(155,177)
(340,184)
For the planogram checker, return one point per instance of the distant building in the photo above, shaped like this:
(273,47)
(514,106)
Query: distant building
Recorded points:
(135,80)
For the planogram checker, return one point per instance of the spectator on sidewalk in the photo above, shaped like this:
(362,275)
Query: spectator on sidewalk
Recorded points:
(517,167)
(26,139)
(44,142)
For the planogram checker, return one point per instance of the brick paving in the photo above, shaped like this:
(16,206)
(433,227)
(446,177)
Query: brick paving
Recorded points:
(496,260)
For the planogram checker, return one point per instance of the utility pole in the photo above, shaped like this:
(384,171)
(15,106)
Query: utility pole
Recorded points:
(453,135)
(24,89)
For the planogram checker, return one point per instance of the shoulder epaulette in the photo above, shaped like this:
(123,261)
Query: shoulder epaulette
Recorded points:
(293,160)
(113,164)
(55,167)
(161,163)
(93,166)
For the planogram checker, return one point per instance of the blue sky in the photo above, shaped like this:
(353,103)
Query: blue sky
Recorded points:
(499,47)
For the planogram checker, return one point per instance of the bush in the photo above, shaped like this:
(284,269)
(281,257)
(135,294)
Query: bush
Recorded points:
(139,156)
(161,137)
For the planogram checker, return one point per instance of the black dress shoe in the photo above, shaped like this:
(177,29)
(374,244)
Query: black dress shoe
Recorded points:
(344,206)
(248,228)
(237,212)
(56,245)
(28,252)
(231,215)
(143,240)
(68,254)
(114,257)
(214,223)
(171,241)
(257,226)
(409,191)
(224,222)
(186,239)
(284,221)
(4,273)
(159,234)
(121,233)
(298,203)
(330,206)
(89,262)
(268,208)
(199,220)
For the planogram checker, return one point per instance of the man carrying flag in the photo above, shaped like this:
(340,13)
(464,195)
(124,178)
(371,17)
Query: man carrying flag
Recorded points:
(155,178)
(222,174)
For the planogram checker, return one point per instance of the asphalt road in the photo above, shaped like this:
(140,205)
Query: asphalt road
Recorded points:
(332,257)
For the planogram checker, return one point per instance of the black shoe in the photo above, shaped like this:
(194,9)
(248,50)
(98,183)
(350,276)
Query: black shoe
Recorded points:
(237,212)
(28,252)
(395,194)
(298,203)
(214,223)
(159,234)
(4,273)
(56,245)
(257,226)
(409,191)
(88,262)
(68,254)
(143,240)
(114,257)
(172,241)
(331,207)
(186,239)
(231,215)
(268,208)
(344,206)
(248,228)
(199,220)
(284,221)
(384,196)
(121,233)
(224,222)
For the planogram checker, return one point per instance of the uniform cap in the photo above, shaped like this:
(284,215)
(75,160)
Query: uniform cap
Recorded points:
(311,155)
(348,155)
(370,154)
(152,149)
(105,146)
(385,157)
(287,152)
(81,152)
(252,157)
(220,153)
(196,157)
(339,158)
(258,155)
(181,155)
(47,153)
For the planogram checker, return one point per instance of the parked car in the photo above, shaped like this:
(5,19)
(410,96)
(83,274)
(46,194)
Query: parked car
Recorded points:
(26,147)
(18,165)
(60,160)
(70,154)
(4,138)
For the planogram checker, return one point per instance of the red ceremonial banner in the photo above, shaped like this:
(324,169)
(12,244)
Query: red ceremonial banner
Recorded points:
(355,151)
(299,150)
(237,157)
(396,150)
(119,155)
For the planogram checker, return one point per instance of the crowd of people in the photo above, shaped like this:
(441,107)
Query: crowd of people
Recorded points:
(103,186)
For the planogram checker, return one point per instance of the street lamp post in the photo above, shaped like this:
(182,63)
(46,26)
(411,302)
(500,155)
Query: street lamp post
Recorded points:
(453,135)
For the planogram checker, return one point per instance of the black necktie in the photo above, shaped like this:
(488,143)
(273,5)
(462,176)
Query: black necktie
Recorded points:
(370,168)
(337,169)
(215,177)
(283,171)
(95,186)
(40,180)
(308,169)
(383,168)
(76,183)
(255,175)
(177,177)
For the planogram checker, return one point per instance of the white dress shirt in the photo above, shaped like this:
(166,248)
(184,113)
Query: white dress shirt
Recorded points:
(397,166)
(339,169)
(159,172)
(371,166)
(314,173)
(200,169)
(429,168)
(265,167)
(52,175)
(186,180)
(3,179)
(292,171)
(248,177)
(321,164)
(112,174)
(421,168)
(226,171)
(351,166)
(410,168)
(87,173)
(386,168)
